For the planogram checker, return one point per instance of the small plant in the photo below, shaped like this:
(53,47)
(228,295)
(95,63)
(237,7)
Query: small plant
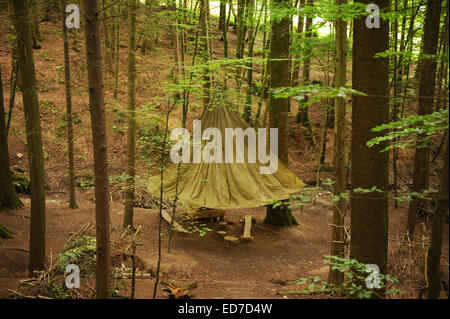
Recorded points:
(46,104)
(80,251)
(55,289)
(197,227)
(355,285)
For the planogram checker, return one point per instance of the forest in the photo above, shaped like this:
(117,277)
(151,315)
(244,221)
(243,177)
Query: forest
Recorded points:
(228,149)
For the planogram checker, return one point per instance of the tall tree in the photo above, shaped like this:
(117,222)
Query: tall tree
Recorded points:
(300,23)
(131,119)
(224,29)
(340,183)
(36,30)
(204,52)
(434,251)
(427,80)
(240,29)
(67,80)
(279,76)
(34,136)
(247,114)
(117,49)
(8,196)
(369,166)
(303,113)
(222,13)
(98,124)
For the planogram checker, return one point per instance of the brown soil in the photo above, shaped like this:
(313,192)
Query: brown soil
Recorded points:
(262,268)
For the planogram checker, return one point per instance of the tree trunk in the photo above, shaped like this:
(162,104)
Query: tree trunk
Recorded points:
(427,80)
(34,137)
(224,28)
(303,115)
(248,102)
(240,27)
(36,31)
(72,199)
(117,51)
(296,65)
(370,167)
(98,123)
(340,184)
(279,76)
(257,123)
(14,58)
(204,53)
(131,119)
(434,251)
(443,69)
(222,13)
(8,196)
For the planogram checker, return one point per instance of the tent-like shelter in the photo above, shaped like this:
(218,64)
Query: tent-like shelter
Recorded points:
(226,185)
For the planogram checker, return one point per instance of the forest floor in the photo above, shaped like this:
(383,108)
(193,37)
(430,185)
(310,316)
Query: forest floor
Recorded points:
(266,267)
(263,268)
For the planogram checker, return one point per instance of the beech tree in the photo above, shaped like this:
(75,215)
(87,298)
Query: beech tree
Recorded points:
(131,119)
(67,81)
(427,80)
(204,53)
(98,124)
(34,136)
(434,251)
(279,76)
(8,196)
(340,184)
(369,166)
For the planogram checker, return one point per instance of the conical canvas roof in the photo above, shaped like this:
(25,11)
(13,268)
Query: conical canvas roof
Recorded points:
(226,185)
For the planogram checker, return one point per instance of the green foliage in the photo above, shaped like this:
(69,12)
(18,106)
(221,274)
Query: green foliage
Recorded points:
(55,288)
(80,251)
(5,233)
(46,104)
(314,92)
(424,195)
(85,181)
(354,285)
(21,183)
(195,226)
(409,130)
(150,135)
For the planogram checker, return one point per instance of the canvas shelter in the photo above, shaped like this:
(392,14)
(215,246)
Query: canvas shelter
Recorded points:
(226,185)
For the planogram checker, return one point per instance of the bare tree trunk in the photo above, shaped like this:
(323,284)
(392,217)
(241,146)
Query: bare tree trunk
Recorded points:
(370,167)
(240,26)
(303,114)
(34,136)
(222,14)
(117,51)
(205,53)
(340,184)
(279,76)
(36,31)
(296,65)
(67,80)
(131,119)
(443,70)
(224,28)
(248,103)
(434,251)
(427,80)
(262,93)
(8,196)
(98,123)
